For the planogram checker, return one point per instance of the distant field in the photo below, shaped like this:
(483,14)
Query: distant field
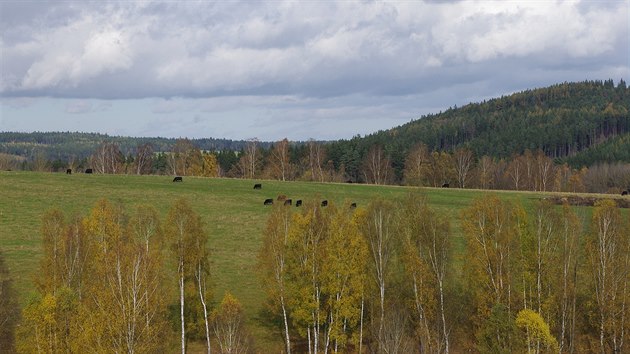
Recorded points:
(232,210)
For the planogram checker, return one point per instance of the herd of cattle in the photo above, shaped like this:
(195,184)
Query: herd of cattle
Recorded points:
(289,201)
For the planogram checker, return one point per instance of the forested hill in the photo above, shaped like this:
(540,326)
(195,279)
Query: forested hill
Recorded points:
(67,145)
(563,120)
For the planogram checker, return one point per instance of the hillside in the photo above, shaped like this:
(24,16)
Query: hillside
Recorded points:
(563,120)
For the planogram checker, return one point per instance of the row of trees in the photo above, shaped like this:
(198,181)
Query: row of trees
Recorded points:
(115,282)
(388,278)
(315,161)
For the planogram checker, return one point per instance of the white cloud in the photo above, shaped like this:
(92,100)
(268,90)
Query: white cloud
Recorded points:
(320,60)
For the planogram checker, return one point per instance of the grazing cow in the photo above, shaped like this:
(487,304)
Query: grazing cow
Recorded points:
(178,179)
(353,205)
(257,186)
(69,171)
(288,202)
(89,170)
(349,181)
(298,202)
(324,203)
(282,197)
(624,193)
(445,185)
(268,201)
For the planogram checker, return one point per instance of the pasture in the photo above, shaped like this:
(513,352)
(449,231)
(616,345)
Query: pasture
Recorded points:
(232,210)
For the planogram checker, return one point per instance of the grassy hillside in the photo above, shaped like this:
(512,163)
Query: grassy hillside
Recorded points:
(232,210)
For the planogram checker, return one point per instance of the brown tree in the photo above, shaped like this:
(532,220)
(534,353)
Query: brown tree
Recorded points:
(144,159)
(279,160)
(544,171)
(107,159)
(463,159)
(485,172)
(415,165)
(249,162)
(316,160)
(376,166)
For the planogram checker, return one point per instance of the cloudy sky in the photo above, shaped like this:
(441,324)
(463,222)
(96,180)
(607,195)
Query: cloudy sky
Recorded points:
(296,69)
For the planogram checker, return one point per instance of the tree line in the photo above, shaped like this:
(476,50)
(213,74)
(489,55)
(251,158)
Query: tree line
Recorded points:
(315,161)
(389,279)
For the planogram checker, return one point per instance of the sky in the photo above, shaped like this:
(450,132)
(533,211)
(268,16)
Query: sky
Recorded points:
(296,69)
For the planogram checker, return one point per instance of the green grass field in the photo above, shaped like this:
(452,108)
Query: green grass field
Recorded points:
(231,209)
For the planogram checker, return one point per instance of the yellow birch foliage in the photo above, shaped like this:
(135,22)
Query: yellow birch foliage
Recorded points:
(536,329)
(344,275)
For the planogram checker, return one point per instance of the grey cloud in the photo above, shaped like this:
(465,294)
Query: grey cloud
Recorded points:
(166,49)
(272,69)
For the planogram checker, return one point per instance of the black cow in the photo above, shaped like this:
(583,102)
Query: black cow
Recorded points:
(324,203)
(298,202)
(288,202)
(624,193)
(178,179)
(353,205)
(349,181)
(69,171)
(257,186)
(89,170)
(268,202)
(445,185)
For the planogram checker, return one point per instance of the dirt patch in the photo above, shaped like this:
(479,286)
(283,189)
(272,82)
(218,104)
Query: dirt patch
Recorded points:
(586,201)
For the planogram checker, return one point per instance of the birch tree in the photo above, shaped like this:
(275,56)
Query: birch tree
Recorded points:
(415,165)
(376,166)
(228,325)
(567,273)
(183,229)
(124,309)
(427,255)
(273,264)
(144,159)
(491,227)
(316,155)
(463,159)
(279,160)
(608,250)
(344,279)
(304,269)
(249,162)
(379,231)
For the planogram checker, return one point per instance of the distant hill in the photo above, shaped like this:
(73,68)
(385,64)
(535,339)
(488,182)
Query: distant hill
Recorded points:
(567,121)
(65,145)
(581,123)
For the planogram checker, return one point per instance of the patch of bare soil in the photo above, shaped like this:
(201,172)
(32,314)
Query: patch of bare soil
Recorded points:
(623,202)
